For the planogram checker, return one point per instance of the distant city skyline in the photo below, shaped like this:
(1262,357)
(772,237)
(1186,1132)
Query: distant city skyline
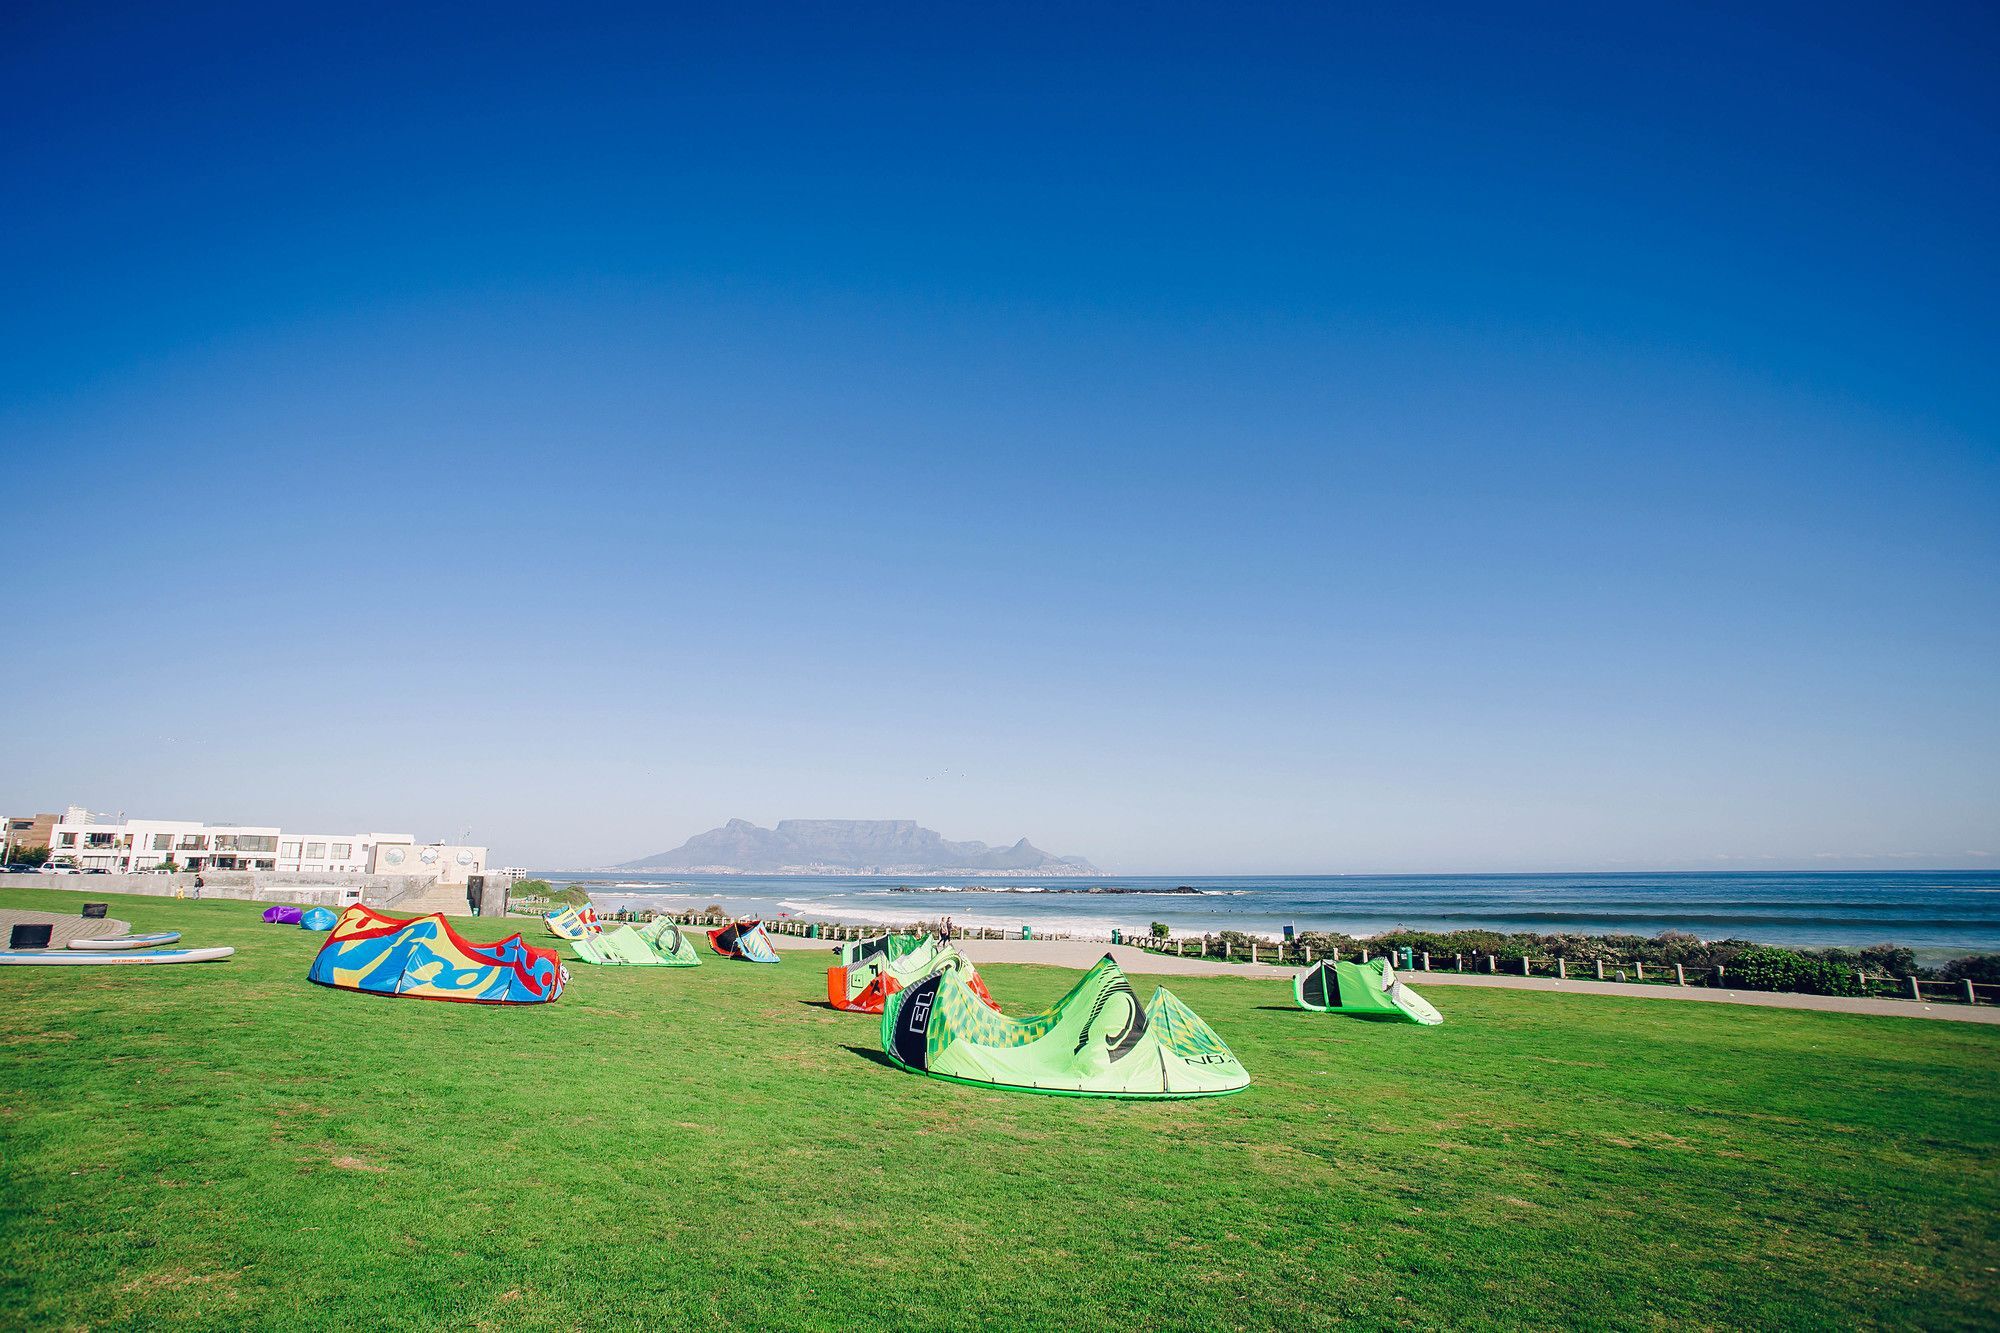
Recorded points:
(1264,441)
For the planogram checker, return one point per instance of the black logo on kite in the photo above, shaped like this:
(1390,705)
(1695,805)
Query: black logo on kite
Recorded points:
(1125,1038)
(911,1042)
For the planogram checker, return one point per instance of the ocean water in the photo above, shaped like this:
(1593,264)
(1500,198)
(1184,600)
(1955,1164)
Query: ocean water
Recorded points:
(1940,914)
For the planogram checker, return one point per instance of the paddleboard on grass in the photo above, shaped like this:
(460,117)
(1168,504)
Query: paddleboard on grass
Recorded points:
(115,942)
(60,957)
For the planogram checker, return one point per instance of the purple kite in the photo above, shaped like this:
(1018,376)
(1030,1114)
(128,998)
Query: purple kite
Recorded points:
(284,916)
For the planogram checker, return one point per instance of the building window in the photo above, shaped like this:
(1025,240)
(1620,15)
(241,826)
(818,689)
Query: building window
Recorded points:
(65,839)
(163,842)
(256,842)
(315,851)
(194,842)
(342,850)
(290,849)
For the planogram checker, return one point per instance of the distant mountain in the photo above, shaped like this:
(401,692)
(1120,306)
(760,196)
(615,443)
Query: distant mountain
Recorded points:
(875,846)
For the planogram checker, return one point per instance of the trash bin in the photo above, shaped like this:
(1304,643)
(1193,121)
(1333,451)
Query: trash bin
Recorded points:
(1289,930)
(1117,936)
(1027,932)
(812,931)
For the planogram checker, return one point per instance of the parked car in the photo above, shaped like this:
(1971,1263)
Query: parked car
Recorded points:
(22,868)
(58,868)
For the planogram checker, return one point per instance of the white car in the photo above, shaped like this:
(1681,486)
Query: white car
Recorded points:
(55,868)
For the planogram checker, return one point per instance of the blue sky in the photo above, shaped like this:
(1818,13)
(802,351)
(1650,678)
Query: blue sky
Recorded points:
(1263,440)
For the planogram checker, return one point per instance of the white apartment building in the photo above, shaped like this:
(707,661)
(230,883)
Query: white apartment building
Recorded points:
(449,864)
(113,842)
(342,853)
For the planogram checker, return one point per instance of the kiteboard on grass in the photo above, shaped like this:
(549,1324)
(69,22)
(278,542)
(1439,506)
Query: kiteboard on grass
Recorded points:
(64,957)
(112,943)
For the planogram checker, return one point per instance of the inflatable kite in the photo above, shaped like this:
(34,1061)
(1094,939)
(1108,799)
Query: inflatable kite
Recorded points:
(319,918)
(283,916)
(573,923)
(668,944)
(630,946)
(890,946)
(425,958)
(745,940)
(1367,990)
(863,987)
(1097,1041)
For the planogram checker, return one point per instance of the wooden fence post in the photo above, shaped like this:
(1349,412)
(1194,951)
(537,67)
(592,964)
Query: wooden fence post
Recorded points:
(1680,975)
(1642,970)
(1227,951)
(1600,969)
(1492,964)
(1915,993)
(1253,951)
(1719,969)
(1562,972)
(1427,960)
(1524,965)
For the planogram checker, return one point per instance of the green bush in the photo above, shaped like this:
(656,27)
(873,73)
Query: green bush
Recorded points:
(1160,930)
(1765,968)
(1983,968)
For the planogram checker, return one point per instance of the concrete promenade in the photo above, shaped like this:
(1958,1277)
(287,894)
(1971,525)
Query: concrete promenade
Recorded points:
(1081,954)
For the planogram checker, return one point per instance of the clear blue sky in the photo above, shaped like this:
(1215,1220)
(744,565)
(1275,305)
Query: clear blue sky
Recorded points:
(1203,439)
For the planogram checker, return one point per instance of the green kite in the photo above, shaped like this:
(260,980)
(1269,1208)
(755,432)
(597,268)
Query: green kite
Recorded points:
(884,947)
(668,944)
(622,946)
(1367,990)
(1098,1041)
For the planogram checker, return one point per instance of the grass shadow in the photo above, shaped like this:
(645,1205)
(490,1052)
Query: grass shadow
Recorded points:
(870,1053)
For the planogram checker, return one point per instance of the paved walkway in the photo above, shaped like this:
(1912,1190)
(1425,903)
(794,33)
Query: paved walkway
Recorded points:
(67,928)
(1141,962)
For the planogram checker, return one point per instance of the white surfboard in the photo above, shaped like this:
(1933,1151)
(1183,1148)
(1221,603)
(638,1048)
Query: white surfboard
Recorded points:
(62,957)
(115,942)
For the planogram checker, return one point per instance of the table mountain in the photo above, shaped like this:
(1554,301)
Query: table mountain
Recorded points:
(878,846)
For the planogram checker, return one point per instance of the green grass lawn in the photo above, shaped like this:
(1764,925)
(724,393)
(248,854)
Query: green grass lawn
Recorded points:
(228,1145)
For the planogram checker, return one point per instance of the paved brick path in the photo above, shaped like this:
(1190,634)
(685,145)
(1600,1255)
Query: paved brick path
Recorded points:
(67,928)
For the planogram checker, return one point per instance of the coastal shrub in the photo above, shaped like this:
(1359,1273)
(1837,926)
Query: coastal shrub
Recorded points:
(1161,930)
(1981,968)
(1894,959)
(1772,969)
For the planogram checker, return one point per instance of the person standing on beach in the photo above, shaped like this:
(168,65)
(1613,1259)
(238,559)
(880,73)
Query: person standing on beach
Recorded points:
(947,930)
